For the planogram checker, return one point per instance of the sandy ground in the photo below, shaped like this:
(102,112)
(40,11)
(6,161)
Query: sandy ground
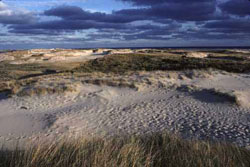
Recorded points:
(57,58)
(58,55)
(106,111)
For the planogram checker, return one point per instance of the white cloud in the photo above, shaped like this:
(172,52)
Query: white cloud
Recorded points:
(9,15)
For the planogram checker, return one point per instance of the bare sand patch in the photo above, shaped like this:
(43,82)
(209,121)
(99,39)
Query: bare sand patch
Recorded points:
(21,125)
(50,56)
(196,54)
(5,57)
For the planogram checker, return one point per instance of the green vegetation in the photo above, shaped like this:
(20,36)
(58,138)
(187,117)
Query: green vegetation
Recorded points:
(137,62)
(155,150)
(13,77)
(164,60)
(14,72)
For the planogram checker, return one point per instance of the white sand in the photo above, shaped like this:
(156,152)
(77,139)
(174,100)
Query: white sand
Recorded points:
(197,54)
(107,111)
(60,55)
(5,57)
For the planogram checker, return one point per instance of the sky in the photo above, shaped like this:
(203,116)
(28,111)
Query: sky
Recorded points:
(26,24)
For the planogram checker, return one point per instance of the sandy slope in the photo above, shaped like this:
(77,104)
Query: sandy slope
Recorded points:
(58,55)
(107,111)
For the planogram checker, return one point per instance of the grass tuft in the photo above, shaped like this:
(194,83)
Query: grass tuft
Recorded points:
(152,150)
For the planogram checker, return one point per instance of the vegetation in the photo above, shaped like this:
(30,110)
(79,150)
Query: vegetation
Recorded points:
(155,150)
(168,60)
(137,62)
(13,77)
(13,72)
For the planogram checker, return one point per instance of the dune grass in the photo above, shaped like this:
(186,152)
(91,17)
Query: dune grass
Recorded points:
(154,150)
(141,62)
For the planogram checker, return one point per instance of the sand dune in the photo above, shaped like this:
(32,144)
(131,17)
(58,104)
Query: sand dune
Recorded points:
(5,57)
(174,101)
(58,55)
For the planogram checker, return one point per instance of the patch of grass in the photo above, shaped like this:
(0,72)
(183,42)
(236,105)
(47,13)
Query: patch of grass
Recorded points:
(18,71)
(155,150)
(50,88)
(13,72)
(135,62)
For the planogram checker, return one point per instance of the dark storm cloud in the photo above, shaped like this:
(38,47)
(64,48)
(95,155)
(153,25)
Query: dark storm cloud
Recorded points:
(221,30)
(61,26)
(34,32)
(205,35)
(191,10)
(174,12)
(157,2)
(236,7)
(17,19)
(77,13)
(145,32)
(229,26)
(194,10)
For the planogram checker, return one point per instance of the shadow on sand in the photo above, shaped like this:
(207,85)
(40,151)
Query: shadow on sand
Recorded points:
(3,95)
(208,96)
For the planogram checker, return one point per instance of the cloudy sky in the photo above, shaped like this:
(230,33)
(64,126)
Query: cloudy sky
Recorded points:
(123,23)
